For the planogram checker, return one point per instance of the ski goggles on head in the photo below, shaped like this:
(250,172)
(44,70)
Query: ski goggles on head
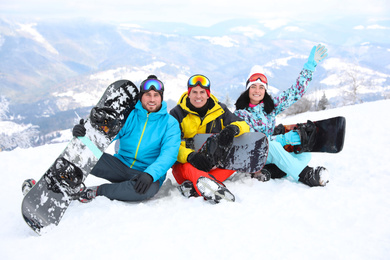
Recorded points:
(199,80)
(152,84)
(257,77)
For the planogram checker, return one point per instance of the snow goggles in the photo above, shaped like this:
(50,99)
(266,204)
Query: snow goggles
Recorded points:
(152,84)
(257,77)
(199,80)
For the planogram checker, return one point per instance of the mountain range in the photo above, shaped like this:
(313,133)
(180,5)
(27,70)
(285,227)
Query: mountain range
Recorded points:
(51,68)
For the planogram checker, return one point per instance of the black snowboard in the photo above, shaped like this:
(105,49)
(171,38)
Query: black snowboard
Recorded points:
(45,204)
(248,152)
(329,136)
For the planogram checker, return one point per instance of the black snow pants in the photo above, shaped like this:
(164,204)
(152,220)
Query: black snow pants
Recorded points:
(122,178)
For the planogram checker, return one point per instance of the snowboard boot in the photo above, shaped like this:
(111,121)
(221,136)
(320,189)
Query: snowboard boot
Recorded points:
(86,194)
(314,177)
(213,191)
(187,189)
(308,133)
(263,175)
(274,170)
(27,186)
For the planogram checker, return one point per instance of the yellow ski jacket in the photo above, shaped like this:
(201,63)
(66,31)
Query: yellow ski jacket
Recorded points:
(217,118)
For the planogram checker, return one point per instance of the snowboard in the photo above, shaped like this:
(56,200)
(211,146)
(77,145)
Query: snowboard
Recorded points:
(46,202)
(248,153)
(329,135)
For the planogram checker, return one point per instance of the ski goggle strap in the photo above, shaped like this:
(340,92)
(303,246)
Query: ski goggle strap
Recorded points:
(257,77)
(152,84)
(199,80)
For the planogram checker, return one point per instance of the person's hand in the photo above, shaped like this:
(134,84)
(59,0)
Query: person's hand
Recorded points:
(317,54)
(225,138)
(199,161)
(79,129)
(292,138)
(143,183)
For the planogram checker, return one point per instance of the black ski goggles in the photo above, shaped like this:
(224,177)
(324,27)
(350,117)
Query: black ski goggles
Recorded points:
(151,84)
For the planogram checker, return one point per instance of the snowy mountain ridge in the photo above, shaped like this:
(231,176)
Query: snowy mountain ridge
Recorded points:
(51,69)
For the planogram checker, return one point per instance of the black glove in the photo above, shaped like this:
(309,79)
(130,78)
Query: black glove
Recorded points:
(79,130)
(225,138)
(199,161)
(143,183)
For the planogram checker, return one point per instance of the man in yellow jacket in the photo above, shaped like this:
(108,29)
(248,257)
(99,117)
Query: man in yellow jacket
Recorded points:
(199,112)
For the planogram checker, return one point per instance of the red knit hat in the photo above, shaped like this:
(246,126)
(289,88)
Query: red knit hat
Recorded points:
(207,90)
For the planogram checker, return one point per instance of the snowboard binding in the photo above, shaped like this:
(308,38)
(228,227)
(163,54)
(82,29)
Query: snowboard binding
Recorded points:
(64,177)
(279,130)
(214,152)
(308,134)
(106,119)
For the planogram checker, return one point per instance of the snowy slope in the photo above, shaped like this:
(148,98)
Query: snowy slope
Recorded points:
(347,219)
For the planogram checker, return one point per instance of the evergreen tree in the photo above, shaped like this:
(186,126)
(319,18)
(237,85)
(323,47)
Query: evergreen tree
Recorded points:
(301,106)
(228,102)
(323,103)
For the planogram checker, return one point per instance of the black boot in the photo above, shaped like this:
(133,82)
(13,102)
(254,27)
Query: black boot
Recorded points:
(187,189)
(314,177)
(269,171)
(263,175)
(86,195)
(276,173)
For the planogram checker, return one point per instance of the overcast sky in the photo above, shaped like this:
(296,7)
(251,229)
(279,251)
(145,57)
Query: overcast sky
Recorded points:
(194,12)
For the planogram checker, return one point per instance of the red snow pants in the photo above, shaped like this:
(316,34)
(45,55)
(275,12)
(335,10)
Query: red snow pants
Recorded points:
(185,171)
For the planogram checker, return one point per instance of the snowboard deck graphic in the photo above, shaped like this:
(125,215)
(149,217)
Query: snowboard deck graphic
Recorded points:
(330,135)
(45,204)
(248,152)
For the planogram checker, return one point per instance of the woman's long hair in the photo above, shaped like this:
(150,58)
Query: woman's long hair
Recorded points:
(243,102)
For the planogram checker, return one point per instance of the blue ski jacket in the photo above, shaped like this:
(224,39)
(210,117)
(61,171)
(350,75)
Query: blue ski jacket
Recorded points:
(256,117)
(149,142)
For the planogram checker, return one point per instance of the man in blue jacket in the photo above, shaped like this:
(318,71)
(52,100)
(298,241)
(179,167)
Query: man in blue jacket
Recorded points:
(149,145)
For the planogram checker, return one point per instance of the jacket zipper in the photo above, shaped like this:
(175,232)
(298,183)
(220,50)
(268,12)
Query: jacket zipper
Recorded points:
(139,143)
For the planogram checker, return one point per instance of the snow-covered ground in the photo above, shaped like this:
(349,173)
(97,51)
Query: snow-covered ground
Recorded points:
(279,219)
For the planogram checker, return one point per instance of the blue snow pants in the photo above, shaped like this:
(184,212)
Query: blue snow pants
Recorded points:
(122,178)
(292,164)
